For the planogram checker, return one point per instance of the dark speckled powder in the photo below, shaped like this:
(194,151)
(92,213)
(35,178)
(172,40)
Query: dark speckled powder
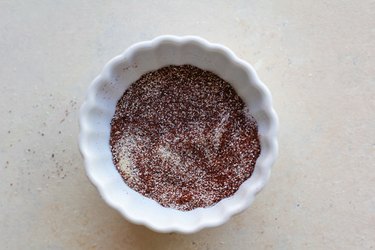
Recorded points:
(183,137)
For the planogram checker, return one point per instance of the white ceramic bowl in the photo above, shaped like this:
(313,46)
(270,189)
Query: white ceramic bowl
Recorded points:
(98,109)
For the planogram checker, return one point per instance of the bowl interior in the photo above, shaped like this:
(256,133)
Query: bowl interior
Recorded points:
(97,112)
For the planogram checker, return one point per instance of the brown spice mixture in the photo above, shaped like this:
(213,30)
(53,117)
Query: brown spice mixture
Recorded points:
(183,137)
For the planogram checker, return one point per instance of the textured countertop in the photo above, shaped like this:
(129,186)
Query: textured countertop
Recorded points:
(316,57)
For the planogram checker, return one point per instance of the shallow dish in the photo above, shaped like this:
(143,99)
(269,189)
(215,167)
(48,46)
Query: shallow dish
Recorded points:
(99,107)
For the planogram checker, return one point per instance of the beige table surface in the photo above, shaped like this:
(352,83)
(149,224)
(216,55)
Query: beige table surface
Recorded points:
(317,58)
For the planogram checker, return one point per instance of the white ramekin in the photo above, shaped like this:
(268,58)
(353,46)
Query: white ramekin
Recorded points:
(99,107)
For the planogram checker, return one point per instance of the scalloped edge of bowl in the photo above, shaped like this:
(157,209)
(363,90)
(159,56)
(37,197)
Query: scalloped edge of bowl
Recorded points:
(235,204)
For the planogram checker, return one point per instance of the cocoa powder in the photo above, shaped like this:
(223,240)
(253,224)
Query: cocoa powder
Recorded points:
(183,137)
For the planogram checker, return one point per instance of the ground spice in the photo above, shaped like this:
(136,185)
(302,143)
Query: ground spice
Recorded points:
(183,137)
